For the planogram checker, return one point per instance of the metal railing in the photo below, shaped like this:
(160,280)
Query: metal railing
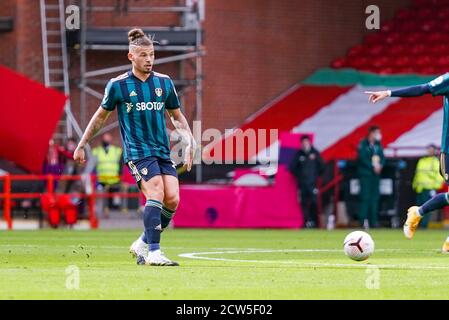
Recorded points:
(8,195)
(335,184)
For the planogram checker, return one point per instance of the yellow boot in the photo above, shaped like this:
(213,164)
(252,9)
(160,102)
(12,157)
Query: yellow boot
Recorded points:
(445,248)
(412,223)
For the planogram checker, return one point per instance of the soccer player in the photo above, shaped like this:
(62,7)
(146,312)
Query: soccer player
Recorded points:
(141,96)
(437,87)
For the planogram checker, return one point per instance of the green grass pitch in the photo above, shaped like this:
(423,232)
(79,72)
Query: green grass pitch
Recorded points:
(222,264)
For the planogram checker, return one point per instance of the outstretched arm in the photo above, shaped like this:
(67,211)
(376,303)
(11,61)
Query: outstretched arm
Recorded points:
(182,126)
(414,91)
(95,124)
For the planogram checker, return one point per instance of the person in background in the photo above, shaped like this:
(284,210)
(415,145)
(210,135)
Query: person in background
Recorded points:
(307,165)
(54,161)
(427,179)
(108,166)
(70,167)
(370,161)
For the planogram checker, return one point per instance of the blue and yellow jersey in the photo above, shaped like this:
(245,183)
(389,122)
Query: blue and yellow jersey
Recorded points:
(141,113)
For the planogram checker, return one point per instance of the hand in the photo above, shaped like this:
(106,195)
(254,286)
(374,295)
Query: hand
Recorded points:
(188,158)
(378,169)
(375,96)
(79,155)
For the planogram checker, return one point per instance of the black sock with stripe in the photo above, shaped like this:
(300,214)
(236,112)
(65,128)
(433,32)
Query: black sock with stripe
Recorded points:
(166,216)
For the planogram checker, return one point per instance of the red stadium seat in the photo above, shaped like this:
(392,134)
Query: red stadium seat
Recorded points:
(444,26)
(424,61)
(421,3)
(438,49)
(443,14)
(436,37)
(68,208)
(407,26)
(426,13)
(386,70)
(397,49)
(430,70)
(356,50)
(401,62)
(433,49)
(405,70)
(444,47)
(393,37)
(443,62)
(405,14)
(429,4)
(429,26)
(388,27)
(444,37)
(50,207)
(418,49)
(368,68)
(443,70)
(375,49)
(358,62)
(439,4)
(374,38)
(413,38)
(338,63)
(381,62)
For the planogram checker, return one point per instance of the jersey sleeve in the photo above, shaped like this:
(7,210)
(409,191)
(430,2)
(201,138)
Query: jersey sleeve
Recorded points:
(172,101)
(109,100)
(440,85)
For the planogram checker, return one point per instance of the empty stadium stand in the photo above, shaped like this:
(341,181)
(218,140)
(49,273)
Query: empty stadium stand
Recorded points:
(416,40)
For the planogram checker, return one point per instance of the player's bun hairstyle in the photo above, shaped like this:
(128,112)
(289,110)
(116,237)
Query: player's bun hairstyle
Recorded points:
(137,37)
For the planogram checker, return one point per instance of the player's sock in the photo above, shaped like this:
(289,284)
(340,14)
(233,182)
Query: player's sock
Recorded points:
(143,237)
(166,216)
(439,201)
(152,223)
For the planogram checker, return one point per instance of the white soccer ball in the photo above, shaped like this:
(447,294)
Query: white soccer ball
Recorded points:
(358,245)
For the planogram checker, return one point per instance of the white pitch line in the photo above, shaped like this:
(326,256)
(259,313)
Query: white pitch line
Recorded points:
(201,256)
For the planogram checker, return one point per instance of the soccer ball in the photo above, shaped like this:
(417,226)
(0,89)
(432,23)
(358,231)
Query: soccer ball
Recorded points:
(358,245)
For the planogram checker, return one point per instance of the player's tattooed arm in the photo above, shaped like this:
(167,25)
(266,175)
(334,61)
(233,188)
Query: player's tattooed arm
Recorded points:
(182,127)
(95,124)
